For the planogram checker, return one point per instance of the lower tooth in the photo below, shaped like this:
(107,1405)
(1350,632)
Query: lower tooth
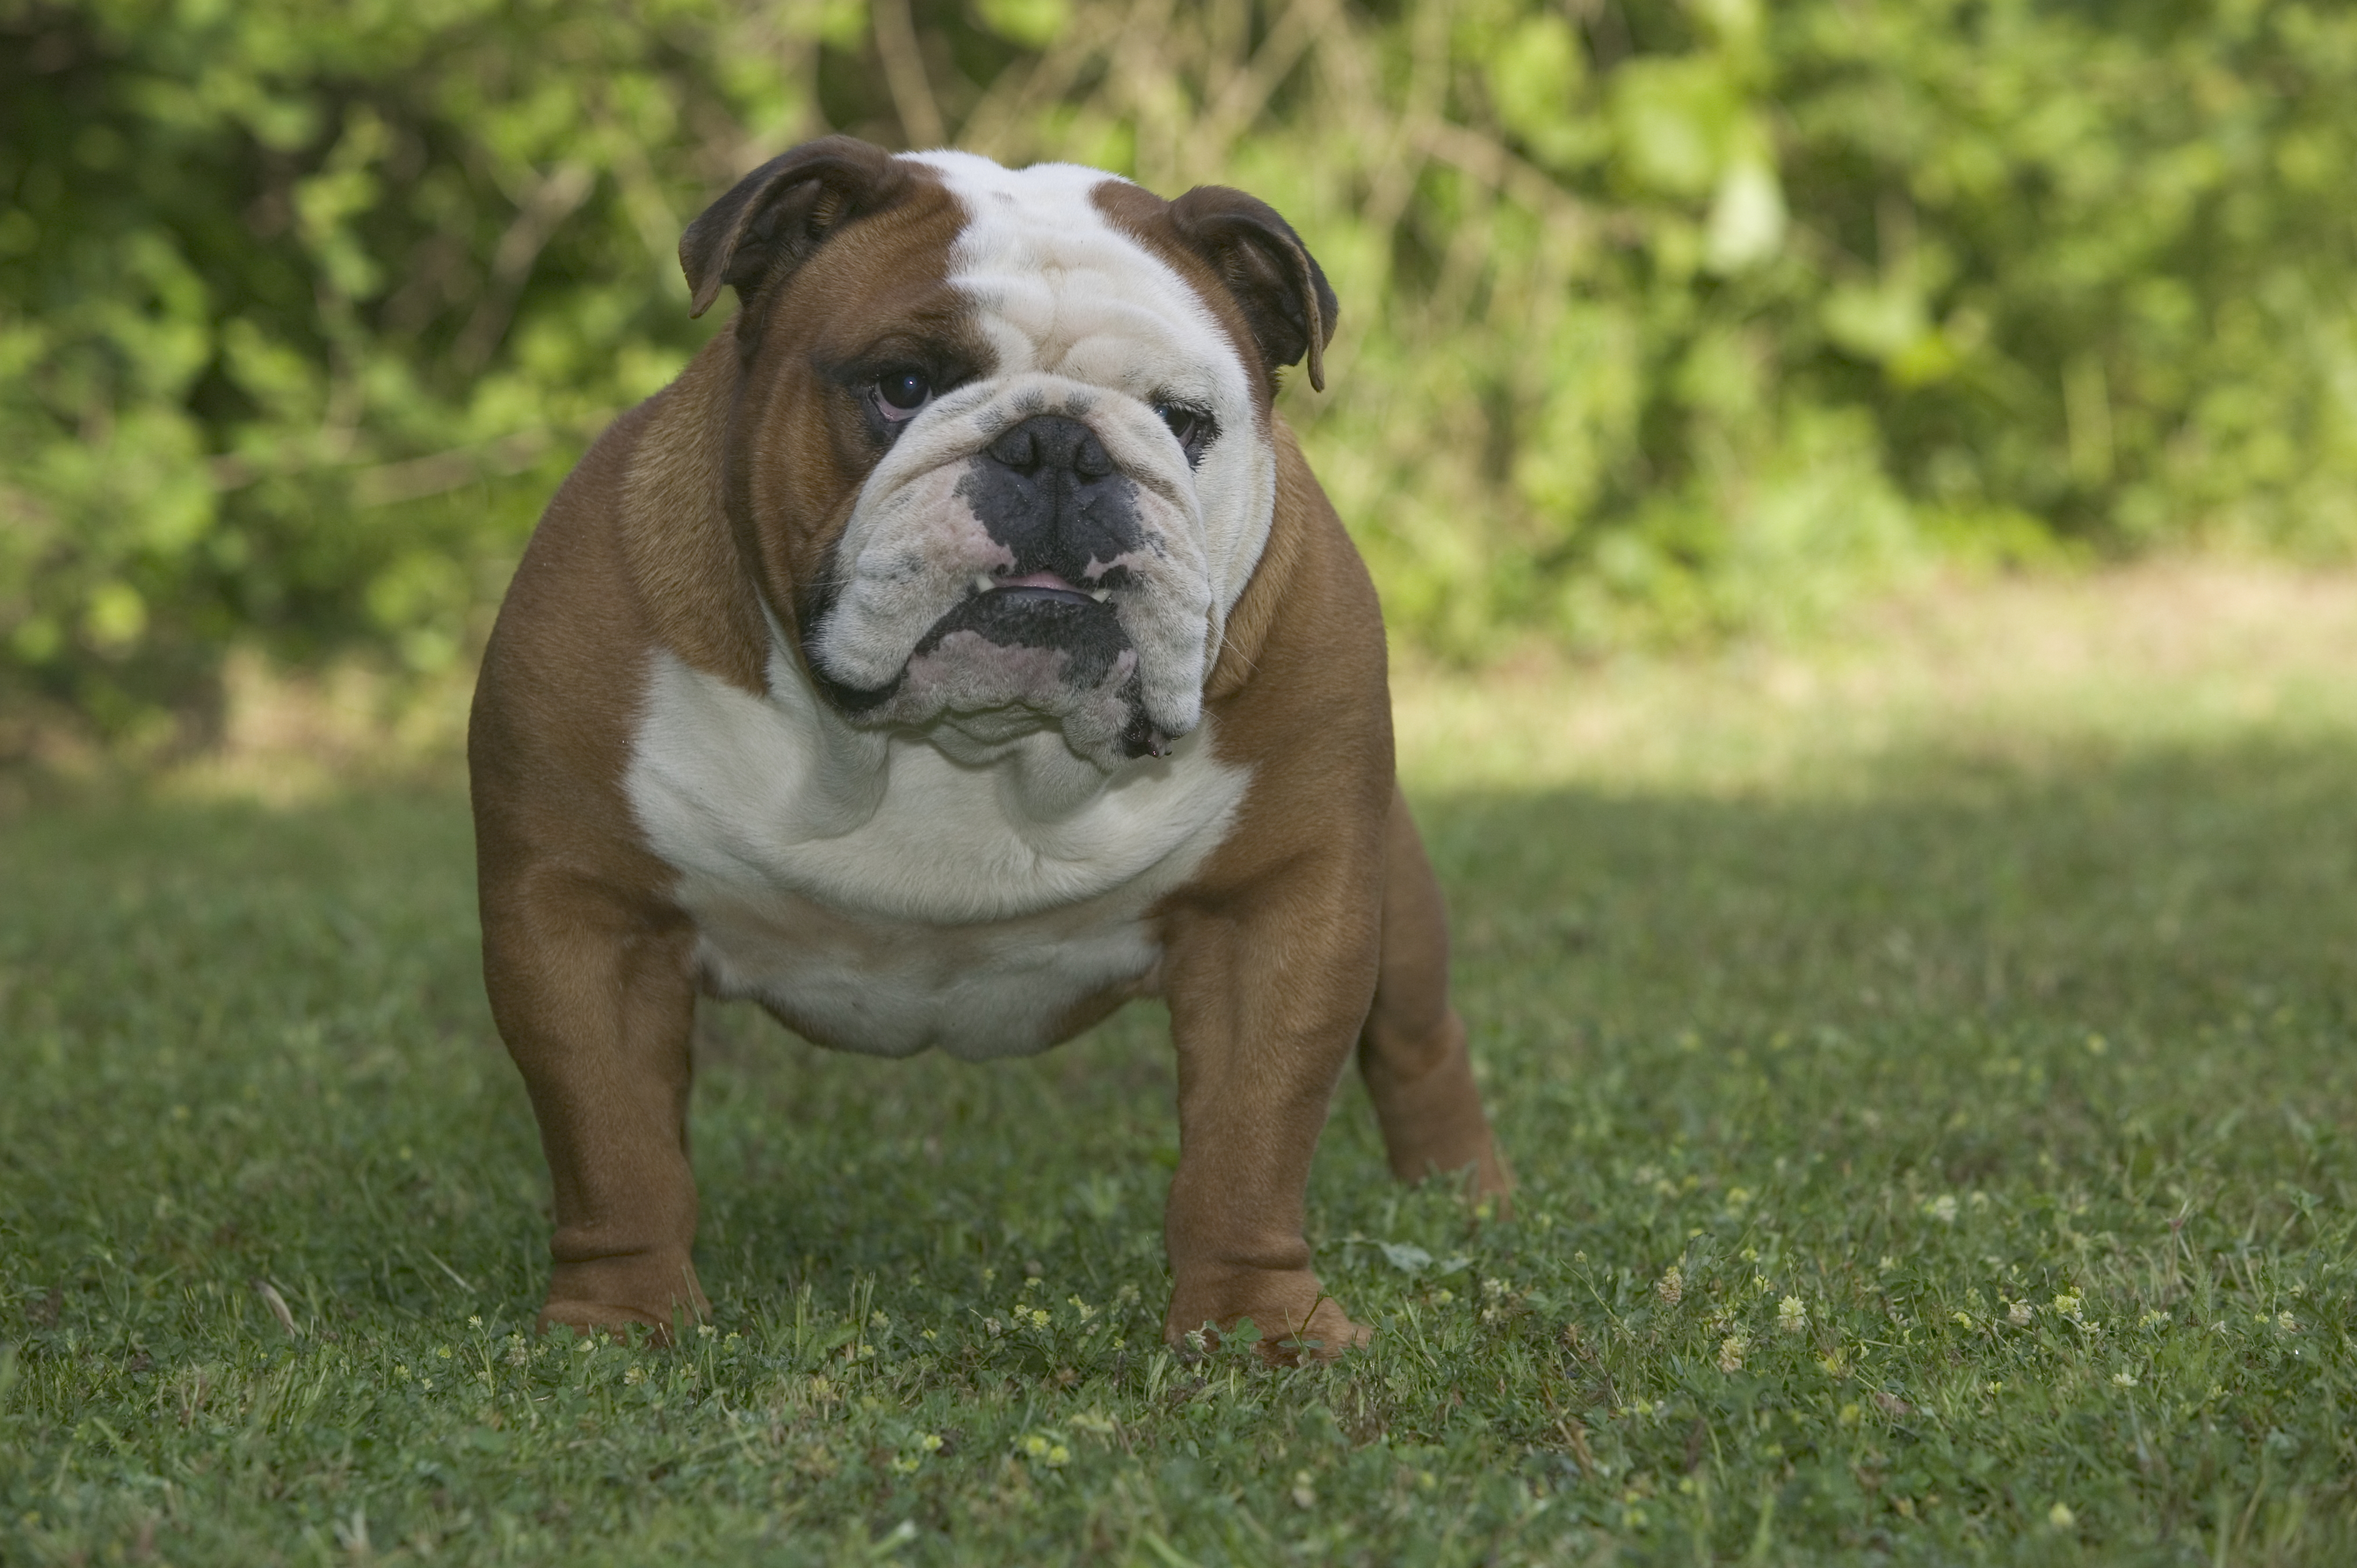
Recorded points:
(982,583)
(1101,595)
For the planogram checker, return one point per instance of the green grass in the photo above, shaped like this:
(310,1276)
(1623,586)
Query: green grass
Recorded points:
(1971,1032)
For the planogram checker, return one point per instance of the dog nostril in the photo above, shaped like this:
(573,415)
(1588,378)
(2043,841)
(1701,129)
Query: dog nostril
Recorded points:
(1017,449)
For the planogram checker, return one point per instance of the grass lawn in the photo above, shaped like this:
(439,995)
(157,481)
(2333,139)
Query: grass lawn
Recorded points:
(1928,1061)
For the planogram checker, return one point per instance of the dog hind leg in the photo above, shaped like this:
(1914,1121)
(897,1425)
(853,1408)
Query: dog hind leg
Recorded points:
(1411,1048)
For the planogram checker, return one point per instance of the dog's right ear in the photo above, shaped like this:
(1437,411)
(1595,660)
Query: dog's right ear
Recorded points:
(772,220)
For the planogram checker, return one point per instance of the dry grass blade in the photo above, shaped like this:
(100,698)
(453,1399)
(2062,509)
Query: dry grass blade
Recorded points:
(277,1306)
(464,1283)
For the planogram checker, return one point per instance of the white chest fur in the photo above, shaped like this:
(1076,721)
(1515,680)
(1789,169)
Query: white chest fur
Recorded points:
(885,896)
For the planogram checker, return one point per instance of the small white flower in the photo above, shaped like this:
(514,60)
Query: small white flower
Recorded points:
(1792,1314)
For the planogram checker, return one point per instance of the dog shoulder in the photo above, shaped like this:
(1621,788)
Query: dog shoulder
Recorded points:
(592,602)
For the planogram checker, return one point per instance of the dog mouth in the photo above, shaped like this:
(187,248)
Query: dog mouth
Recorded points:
(1033,643)
(1038,588)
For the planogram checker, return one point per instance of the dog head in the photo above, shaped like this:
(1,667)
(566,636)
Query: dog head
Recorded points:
(1002,455)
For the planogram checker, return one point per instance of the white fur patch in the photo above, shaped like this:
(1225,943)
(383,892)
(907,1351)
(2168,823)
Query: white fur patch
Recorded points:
(889,894)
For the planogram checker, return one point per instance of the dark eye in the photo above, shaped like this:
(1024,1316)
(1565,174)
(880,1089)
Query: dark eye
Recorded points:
(1192,427)
(901,393)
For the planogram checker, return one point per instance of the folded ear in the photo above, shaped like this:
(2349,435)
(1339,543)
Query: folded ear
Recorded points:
(1273,277)
(772,220)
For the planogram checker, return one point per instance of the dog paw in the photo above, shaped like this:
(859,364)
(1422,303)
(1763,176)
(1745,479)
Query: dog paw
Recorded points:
(1478,1174)
(609,1292)
(615,1322)
(1325,1335)
(1293,1323)
(1492,1192)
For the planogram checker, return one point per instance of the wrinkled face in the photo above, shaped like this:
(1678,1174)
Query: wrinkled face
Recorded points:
(1075,480)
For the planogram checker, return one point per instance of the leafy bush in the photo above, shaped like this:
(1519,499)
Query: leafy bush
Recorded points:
(1658,320)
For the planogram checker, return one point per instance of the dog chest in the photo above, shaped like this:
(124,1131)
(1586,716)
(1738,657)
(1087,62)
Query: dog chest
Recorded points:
(884,897)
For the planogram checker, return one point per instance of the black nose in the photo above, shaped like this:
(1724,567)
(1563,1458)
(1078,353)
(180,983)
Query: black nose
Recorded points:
(1049,491)
(1053,443)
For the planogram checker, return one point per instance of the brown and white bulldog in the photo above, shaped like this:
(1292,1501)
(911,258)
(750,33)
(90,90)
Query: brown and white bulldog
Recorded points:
(957,650)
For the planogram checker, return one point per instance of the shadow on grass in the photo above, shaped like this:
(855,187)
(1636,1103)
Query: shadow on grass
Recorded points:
(261,1033)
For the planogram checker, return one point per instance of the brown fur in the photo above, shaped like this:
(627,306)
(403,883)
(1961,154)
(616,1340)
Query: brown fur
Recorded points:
(1315,928)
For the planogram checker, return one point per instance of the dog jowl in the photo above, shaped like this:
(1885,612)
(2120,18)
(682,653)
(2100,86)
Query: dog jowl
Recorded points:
(959,650)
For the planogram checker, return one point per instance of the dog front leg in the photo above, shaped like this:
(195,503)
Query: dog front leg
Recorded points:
(1265,1000)
(597,1004)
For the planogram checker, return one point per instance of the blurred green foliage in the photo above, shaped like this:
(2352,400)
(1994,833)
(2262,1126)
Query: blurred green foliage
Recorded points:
(1661,318)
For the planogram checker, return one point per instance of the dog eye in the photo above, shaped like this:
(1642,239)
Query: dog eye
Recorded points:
(901,393)
(1192,427)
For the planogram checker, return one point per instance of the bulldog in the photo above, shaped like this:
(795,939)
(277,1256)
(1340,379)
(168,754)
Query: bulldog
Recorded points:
(958,650)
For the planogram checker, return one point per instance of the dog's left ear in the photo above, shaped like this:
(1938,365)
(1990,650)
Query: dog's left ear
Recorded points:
(772,220)
(1273,277)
